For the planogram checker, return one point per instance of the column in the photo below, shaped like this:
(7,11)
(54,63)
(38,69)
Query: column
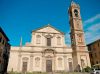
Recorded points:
(65,63)
(43,63)
(19,63)
(54,62)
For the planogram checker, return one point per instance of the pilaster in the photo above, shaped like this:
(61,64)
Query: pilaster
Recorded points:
(31,62)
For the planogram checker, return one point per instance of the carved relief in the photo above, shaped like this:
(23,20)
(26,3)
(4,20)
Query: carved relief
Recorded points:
(80,38)
(78,25)
(37,62)
(72,40)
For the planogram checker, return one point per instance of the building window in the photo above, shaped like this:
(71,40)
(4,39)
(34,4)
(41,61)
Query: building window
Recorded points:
(37,62)
(38,39)
(48,41)
(0,39)
(59,62)
(76,12)
(24,64)
(58,40)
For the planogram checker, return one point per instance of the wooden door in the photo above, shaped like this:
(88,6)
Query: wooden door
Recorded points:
(70,66)
(24,67)
(49,65)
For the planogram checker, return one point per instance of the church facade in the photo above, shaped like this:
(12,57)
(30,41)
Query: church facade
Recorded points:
(48,52)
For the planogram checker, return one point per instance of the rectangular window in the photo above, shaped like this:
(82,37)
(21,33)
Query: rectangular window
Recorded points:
(3,42)
(0,39)
(48,41)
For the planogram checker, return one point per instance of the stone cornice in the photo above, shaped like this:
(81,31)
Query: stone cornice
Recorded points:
(50,33)
(40,52)
(48,47)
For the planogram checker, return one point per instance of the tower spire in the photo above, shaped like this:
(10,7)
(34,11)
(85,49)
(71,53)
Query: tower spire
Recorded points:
(77,38)
(21,41)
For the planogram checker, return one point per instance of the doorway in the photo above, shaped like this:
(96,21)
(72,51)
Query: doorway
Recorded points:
(70,66)
(48,65)
(24,67)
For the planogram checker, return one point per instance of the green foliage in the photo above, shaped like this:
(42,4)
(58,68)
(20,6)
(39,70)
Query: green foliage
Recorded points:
(87,69)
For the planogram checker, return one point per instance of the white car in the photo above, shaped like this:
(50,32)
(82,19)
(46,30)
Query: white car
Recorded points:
(95,71)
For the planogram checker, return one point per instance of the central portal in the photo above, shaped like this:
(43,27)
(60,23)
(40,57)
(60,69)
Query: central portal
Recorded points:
(48,65)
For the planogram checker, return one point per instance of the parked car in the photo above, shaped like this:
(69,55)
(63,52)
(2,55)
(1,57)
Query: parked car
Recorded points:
(95,71)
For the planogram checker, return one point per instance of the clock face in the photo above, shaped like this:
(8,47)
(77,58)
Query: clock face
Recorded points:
(76,12)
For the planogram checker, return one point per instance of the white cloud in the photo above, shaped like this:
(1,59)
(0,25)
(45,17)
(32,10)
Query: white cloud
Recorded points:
(92,32)
(92,19)
(91,36)
(95,27)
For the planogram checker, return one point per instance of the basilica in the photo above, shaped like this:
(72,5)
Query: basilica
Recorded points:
(47,51)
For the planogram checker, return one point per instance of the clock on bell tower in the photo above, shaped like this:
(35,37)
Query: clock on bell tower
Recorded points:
(80,52)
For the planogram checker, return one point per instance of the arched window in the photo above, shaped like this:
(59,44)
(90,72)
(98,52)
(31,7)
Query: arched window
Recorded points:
(24,64)
(58,40)
(38,39)
(76,12)
(59,62)
(37,62)
(48,41)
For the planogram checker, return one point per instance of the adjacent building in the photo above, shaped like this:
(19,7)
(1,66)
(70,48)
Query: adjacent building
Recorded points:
(47,50)
(4,52)
(94,49)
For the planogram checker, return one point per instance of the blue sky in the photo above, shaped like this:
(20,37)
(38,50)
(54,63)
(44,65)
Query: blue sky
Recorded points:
(19,17)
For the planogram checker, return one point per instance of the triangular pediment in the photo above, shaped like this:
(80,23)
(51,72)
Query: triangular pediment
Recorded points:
(48,28)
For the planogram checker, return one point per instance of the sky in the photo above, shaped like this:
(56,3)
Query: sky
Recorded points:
(19,17)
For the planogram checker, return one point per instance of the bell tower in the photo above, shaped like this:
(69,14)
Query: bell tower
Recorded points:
(80,53)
